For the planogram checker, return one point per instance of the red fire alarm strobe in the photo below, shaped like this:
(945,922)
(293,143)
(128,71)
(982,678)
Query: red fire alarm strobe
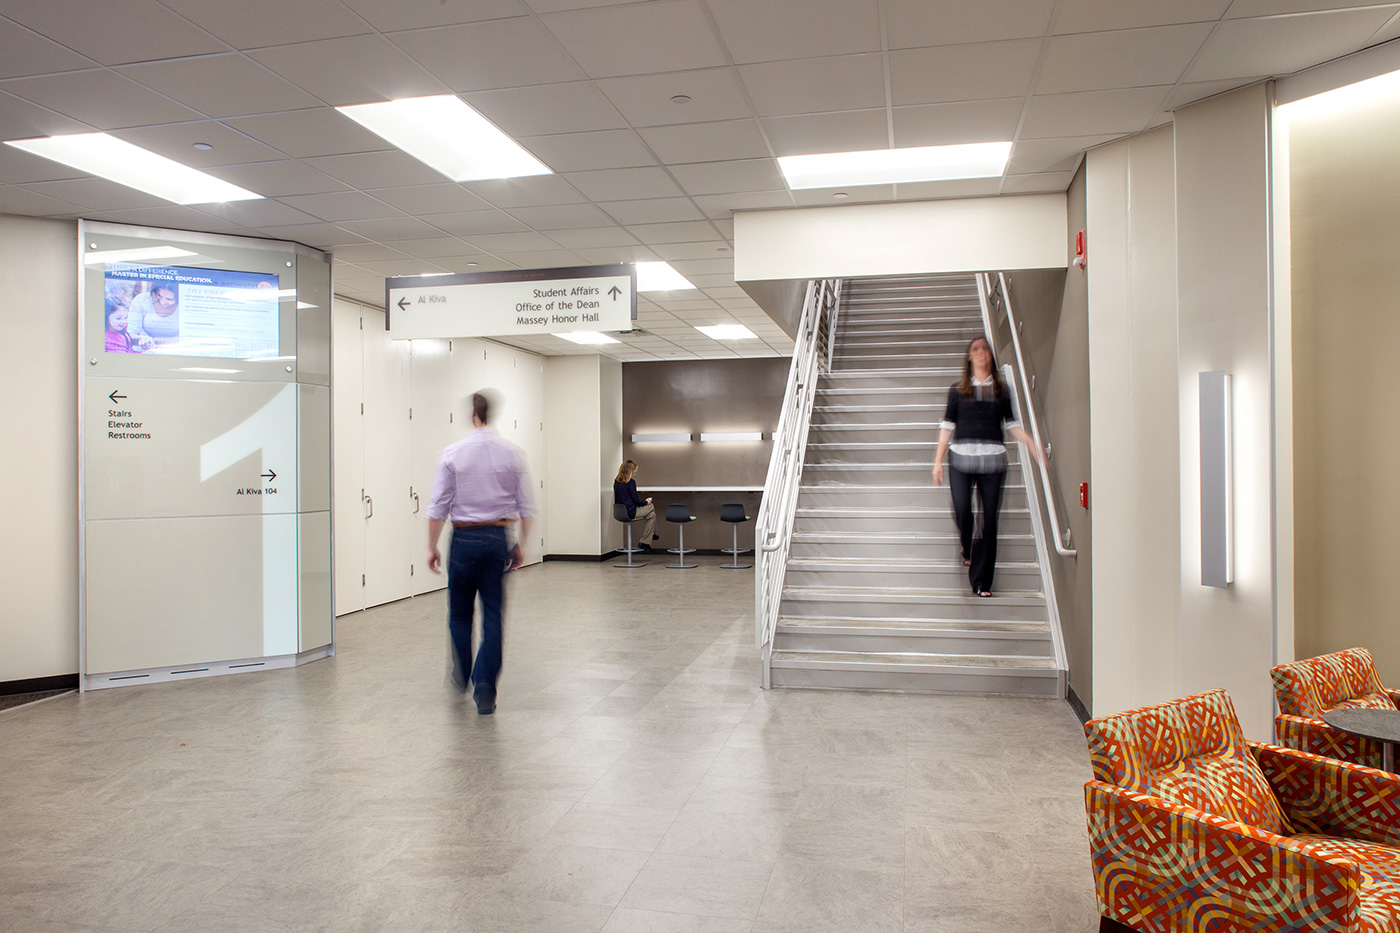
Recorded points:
(1084,495)
(1081,249)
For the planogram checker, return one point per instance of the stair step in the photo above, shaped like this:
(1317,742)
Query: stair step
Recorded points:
(880,660)
(912,595)
(904,625)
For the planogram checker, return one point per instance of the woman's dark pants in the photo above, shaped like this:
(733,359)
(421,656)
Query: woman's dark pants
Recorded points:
(982,548)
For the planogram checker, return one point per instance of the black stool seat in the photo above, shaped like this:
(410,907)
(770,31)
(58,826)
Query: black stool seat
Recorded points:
(620,513)
(679,514)
(734,514)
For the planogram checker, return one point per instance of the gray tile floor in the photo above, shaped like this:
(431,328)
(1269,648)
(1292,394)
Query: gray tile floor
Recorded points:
(635,779)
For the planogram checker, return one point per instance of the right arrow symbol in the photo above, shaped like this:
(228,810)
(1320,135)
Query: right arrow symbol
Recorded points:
(614,291)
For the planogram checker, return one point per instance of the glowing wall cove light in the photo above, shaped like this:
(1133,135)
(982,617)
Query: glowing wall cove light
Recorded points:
(732,436)
(449,136)
(660,277)
(660,438)
(895,166)
(119,161)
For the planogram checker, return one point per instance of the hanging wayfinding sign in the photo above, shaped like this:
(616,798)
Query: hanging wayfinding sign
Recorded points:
(504,304)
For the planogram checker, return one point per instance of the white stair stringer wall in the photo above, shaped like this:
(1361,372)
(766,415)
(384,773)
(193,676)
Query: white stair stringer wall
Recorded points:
(874,593)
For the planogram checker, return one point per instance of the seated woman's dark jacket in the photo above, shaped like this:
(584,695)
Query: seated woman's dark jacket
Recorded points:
(626,494)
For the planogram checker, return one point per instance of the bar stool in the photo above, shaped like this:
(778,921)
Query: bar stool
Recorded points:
(680,515)
(620,513)
(734,514)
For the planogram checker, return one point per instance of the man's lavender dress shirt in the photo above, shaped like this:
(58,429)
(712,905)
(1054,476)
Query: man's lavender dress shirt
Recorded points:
(482,478)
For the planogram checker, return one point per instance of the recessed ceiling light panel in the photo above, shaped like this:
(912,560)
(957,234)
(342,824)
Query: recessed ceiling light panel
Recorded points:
(588,337)
(895,166)
(446,134)
(119,161)
(660,277)
(728,332)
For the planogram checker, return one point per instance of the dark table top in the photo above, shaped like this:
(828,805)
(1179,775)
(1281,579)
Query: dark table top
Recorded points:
(1380,724)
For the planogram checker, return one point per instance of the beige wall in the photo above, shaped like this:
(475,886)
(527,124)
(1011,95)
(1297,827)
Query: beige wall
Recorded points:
(580,396)
(39,473)
(1225,323)
(1134,498)
(1345,228)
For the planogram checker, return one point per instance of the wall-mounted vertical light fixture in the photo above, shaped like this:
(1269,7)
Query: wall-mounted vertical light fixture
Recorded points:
(1217,493)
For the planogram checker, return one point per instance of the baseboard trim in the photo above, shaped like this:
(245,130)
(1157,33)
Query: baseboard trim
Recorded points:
(9,688)
(1077,705)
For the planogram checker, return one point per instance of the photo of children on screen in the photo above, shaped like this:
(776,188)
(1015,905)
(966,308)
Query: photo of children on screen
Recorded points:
(119,338)
(155,312)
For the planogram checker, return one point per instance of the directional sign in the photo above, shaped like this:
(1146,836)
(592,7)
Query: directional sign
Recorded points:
(504,304)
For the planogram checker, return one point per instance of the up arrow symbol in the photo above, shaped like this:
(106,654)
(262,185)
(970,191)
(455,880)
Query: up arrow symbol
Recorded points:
(614,291)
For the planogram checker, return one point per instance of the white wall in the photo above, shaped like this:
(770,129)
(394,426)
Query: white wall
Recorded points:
(574,450)
(1225,323)
(39,473)
(1135,496)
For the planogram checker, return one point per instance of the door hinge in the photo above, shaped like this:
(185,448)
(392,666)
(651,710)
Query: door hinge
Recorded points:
(449,417)
(362,579)
(410,570)
(362,408)
(410,414)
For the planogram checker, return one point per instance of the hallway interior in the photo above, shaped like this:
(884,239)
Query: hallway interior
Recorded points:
(634,778)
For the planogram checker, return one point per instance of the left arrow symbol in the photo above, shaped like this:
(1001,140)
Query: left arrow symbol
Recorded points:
(403,304)
(114,396)
(269,475)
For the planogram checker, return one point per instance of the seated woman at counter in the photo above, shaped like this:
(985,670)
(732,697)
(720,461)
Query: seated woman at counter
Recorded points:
(625,493)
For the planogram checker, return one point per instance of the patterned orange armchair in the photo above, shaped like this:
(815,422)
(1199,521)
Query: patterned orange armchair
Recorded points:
(1307,689)
(1192,829)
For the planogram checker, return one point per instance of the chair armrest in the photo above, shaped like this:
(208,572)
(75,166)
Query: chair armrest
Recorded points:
(1394,697)
(1316,737)
(1332,797)
(1163,866)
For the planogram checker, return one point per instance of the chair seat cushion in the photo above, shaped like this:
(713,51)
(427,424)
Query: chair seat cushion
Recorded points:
(1380,879)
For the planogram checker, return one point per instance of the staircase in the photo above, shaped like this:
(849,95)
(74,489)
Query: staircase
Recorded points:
(875,595)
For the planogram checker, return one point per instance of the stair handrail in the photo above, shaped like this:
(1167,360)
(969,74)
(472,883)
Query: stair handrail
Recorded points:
(1028,405)
(811,356)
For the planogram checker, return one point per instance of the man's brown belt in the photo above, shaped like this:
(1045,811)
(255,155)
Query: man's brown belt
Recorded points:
(499,523)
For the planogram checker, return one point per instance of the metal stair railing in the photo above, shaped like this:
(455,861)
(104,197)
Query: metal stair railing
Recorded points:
(811,356)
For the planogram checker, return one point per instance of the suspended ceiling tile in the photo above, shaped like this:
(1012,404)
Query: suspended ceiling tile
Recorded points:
(665,35)
(674,252)
(980,121)
(720,206)
(592,237)
(409,266)
(603,255)
(28,53)
(274,179)
(1285,44)
(915,23)
(816,85)
(851,131)
(1246,8)
(340,206)
(221,85)
(1031,156)
(656,211)
(958,188)
(582,152)
(354,70)
(728,177)
(1091,113)
(19,200)
(547,109)
(178,218)
(388,15)
(494,54)
(99,98)
(1036,184)
(706,142)
(305,133)
(545,259)
(388,229)
(624,184)
(18,167)
(389,168)
(443,198)
(176,141)
(1100,15)
(437,247)
(979,71)
(320,236)
(501,243)
(1128,58)
(264,212)
(114,32)
(96,194)
(19,119)
(689,267)
(560,217)
(479,263)
(534,191)
(691,232)
(646,100)
(825,197)
(472,223)
(250,24)
(369,252)
(1184,94)
(789,29)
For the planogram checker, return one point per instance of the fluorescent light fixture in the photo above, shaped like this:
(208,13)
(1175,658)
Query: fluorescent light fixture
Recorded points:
(136,254)
(727,332)
(733,436)
(660,277)
(119,161)
(895,166)
(444,133)
(659,438)
(1217,474)
(1371,92)
(206,369)
(590,337)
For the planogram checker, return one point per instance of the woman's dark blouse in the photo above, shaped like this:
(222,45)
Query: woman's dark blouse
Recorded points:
(980,416)
(626,494)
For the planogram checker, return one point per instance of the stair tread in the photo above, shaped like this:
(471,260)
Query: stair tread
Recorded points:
(886,537)
(907,593)
(916,659)
(905,563)
(906,624)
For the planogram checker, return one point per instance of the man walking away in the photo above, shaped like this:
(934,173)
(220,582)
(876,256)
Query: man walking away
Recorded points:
(481,487)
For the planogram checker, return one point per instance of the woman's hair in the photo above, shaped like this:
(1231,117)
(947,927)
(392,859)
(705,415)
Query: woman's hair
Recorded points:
(965,384)
(112,308)
(626,471)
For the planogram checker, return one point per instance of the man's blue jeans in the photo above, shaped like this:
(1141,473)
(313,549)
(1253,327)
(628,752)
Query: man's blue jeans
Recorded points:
(476,567)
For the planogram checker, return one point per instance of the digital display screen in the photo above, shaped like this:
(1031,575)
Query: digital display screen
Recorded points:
(178,311)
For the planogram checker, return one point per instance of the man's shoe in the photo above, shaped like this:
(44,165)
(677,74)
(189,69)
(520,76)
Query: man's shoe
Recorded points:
(485,707)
